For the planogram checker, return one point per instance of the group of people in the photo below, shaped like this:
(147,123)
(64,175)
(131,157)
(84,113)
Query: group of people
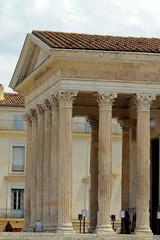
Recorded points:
(38,227)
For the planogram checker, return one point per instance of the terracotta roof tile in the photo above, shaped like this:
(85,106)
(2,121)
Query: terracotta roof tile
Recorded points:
(12,99)
(98,42)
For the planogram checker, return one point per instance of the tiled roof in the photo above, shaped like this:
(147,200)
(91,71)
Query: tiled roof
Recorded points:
(98,42)
(12,99)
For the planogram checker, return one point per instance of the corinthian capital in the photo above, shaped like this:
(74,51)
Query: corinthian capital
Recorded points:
(66,98)
(40,111)
(54,102)
(27,119)
(106,99)
(47,107)
(93,122)
(33,115)
(144,101)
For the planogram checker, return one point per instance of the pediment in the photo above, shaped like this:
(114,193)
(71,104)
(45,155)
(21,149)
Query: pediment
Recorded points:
(33,53)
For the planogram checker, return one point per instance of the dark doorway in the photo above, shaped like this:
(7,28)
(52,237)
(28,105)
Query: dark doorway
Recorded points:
(154,185)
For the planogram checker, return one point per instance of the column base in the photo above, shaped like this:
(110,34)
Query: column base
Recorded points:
(103,229)
(30,229)
(65,228)
(49,228)
(25,228)
(92,229)
(143,230)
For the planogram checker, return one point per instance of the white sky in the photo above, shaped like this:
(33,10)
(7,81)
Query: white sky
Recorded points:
(138,18)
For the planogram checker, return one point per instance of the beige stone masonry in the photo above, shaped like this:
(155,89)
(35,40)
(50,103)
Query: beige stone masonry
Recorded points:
(27,210)
(54,161)
(143,162)
(125,164)
(40,163)
(65,99)
(46,166)
(94,174)
(105,101)
(34,166)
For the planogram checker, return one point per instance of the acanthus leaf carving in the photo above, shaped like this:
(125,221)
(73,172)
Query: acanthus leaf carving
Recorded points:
(66,97)
(33,115)
(144,101)
(106,99)
(40,111)
(54,102)
(27,119)
(93,122)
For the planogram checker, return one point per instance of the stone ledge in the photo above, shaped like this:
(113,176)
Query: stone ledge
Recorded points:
(55,236)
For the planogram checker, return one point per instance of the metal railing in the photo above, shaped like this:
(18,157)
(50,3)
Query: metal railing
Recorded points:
(11,213)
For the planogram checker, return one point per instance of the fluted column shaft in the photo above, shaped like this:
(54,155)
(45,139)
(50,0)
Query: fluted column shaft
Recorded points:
(143,163)
(125,168)
(54,162)
(40,163)
(27,196)
(47,166)
(65,162)
(105,101)
(34,166)
(94,174)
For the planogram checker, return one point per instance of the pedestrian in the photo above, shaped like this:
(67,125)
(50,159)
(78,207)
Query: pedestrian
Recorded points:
(8,227)
(38,227)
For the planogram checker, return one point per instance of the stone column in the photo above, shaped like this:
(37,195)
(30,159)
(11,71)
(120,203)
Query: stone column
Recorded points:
(46,167)
(54,162)
(125,165)
(33,167)
(105,101)
(143,163)
(65,99)
(27,195)
(40,163)
(94,174)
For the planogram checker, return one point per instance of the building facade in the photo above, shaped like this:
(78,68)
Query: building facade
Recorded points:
(12,160)
(63,75)
(13,163)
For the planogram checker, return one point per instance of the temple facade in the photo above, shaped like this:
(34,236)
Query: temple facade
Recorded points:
(64,75)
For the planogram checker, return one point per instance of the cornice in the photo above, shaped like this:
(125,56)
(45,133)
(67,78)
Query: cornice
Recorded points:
(37,77)
(137,57)
(27,59)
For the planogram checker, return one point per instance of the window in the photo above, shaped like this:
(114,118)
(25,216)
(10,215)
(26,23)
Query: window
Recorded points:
(17,199)
(18,122)
(18,156)
(87,127)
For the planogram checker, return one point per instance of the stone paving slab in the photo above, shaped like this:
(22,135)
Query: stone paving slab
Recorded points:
(55,236)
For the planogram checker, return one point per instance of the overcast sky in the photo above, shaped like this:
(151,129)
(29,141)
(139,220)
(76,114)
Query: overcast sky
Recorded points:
(140,18)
